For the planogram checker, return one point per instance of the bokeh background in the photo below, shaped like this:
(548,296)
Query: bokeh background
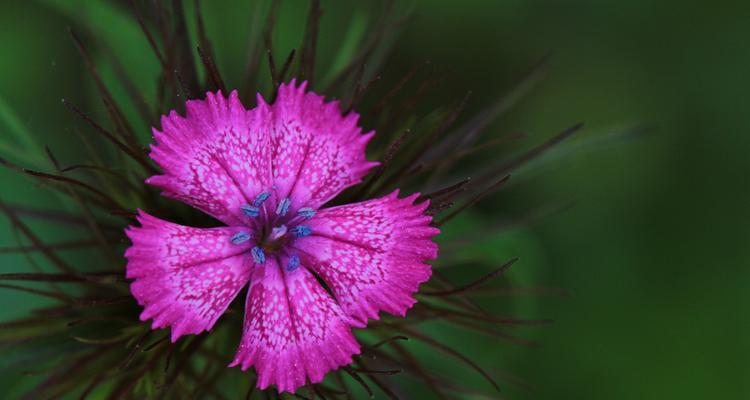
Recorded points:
(654,252)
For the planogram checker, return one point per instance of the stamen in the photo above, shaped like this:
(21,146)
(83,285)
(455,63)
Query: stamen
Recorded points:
(263,196)
(258,255)
(293,263)
(240,237)
(278,232)
(306,212)
(301,231)
(283,207)
(250,211)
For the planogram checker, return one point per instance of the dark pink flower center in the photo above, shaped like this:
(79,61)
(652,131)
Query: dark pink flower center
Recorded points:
(271,229)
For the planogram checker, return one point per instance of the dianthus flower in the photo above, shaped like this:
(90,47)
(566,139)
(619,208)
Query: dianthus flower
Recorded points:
(314,273)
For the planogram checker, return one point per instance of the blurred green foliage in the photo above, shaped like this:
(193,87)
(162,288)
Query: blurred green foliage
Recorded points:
(654,254)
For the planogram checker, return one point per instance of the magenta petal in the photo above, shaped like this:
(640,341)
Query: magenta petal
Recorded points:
(372,254)
(294,332)
(216,158)
(185,277)
(317,151)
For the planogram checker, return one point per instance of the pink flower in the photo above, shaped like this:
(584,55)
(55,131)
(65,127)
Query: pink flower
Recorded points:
(265,173)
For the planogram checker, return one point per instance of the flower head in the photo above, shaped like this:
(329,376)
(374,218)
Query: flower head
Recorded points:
(314,273)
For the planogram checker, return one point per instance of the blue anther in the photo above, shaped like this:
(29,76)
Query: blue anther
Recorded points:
(261,198)
(250,211)
(293,263)
(258,255)
(240,237)
(283,207)
(301,231)
(306,212)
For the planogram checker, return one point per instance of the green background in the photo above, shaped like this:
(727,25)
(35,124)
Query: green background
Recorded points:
(654,253)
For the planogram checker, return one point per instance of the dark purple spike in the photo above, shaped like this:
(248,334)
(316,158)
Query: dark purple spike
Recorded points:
(383,27)
(437,208)
(63,179)
(212,70)
(272,69)
(343,388)
(286,66)
(127,383)
(448,350)
(474,200)
(443,162)
(104,170)
(411,164)
(205,382)
(446,123)
(446,191)
(105,278)
(88,215)
(135,94)
(135,155)
(149,37)
(460,300)
(396,89)
(250,390)
(495,333)
(186,92)
(202,37)
(533,153)
(441,312)
(181,44)
(469,132)
(40,292)
(63,370)
(475,283)
(115,112)
(316,389)
(528,219)
(359,92)
(93,384)
(309,44)
(533,290)
(153,345)
(379,383)
(104,301)
(378,372)
(408,359)
(54,258)
(390,153)
(389,340)
(359,380)
(52,215)
(406,107)
(256,42)
(66,245)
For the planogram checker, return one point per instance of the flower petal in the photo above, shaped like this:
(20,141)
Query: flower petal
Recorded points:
(372,254)
(216,159)
(317,151)
(294,332)
(185,277)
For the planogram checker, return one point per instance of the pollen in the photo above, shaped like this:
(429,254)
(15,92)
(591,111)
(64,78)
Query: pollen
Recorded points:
(250,211)
(301,231)
(258,255)
(240,237)
(261,199)
(283,207)
(293,263)
(306,212)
